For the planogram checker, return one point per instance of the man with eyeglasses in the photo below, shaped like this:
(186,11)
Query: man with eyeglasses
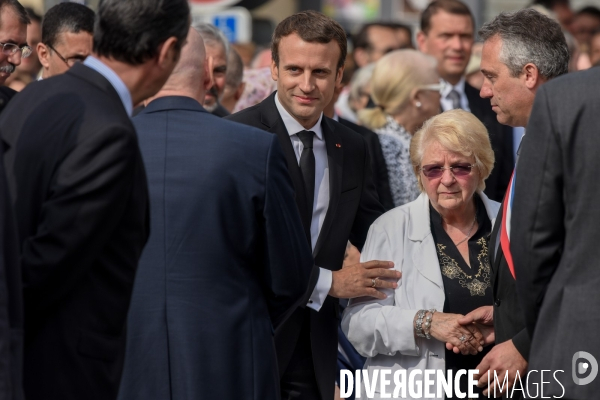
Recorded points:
(67,31)
(13,43)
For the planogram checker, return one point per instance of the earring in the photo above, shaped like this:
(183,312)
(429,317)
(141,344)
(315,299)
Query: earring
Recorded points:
(418,104)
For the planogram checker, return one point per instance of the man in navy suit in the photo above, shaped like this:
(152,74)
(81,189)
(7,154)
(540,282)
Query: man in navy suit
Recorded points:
(227,258)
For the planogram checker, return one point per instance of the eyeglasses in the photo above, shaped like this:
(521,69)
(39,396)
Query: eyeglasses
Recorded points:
(435,171)
(69,61)
(437,87)
(10,49)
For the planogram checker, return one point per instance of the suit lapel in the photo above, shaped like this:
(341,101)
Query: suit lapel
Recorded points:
(270,118)
(335,161)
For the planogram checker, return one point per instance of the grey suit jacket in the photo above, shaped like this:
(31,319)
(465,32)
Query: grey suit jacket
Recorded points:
(554,226)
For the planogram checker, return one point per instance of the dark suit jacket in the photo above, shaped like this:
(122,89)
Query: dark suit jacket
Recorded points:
(81,204)
(501,137)
(508,317)
(11,299)
(353,206)
(6,94)
(554,228)
(378,166)
(226,261)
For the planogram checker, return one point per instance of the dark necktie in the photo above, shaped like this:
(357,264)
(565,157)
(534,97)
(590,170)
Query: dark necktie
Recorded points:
(454,96)
(307,166)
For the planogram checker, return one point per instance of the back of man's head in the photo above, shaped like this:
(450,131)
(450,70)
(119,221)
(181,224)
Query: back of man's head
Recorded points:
(66,17)
(189,76)
(131,31)
(454,7)
(529,37)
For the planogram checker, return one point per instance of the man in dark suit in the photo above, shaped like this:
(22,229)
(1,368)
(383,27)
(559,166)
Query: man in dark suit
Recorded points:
(13,32)
(330,168)
(553,230)
(511,84)
(227,258)
(447,34)
(81,201)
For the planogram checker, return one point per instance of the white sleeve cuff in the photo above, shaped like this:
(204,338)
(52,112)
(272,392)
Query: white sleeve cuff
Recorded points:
(321,290)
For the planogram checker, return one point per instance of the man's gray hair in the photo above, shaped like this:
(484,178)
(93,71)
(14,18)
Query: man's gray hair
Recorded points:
(211,35)
(529,37)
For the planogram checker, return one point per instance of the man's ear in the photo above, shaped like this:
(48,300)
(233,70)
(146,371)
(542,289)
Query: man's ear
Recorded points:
(43,54)
(361,57)
(169,52)
(339,75)
(240,90)
(274,71)
(422,41)
(208,76)
(532,76)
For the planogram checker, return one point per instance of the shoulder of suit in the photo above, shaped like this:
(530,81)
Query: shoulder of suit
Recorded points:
(579,83)
(246,114)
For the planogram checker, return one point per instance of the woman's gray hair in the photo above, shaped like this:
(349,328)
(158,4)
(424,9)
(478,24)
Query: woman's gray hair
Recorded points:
(529,37)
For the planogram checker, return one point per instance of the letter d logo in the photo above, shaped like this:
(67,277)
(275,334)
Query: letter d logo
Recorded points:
(583,367)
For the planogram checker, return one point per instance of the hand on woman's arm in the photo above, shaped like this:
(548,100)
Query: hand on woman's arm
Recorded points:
(446,328)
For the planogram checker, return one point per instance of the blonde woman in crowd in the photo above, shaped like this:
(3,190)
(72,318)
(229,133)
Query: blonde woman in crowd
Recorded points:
(405,88)
(440,244)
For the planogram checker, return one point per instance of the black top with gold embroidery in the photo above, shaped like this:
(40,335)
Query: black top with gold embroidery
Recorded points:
(465,287)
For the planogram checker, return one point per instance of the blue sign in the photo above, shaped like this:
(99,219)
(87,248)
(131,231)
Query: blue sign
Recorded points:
(227,24)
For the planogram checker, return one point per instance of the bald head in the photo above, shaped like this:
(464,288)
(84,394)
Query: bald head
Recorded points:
(189,76)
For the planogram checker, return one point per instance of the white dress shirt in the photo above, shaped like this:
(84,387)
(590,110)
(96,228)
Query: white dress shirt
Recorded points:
(446,101)
(321,200)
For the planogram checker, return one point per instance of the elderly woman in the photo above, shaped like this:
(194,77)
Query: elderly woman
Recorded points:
(405,87)
(440,244)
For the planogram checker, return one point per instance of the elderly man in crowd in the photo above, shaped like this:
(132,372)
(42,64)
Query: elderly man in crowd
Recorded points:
(217,50)
(521,52)
(66,38)
(447,34)
(81,197)
(224,283)
(13,39)
(13,28)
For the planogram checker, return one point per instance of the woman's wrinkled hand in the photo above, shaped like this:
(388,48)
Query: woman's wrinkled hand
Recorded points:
(446,329)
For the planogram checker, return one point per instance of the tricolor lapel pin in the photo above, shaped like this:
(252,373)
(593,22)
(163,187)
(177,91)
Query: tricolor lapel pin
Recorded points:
(338,145)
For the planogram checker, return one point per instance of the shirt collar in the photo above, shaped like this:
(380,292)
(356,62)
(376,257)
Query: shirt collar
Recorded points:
(114,80)
(459,87)
(294,126)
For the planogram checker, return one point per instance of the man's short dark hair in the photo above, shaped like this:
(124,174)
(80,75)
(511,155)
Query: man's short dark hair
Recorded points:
(17,8)
(66,17)
(33,16)
(589,10)
(454,7)
(131,31)
(529,37)
(312,27)
(361,39)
